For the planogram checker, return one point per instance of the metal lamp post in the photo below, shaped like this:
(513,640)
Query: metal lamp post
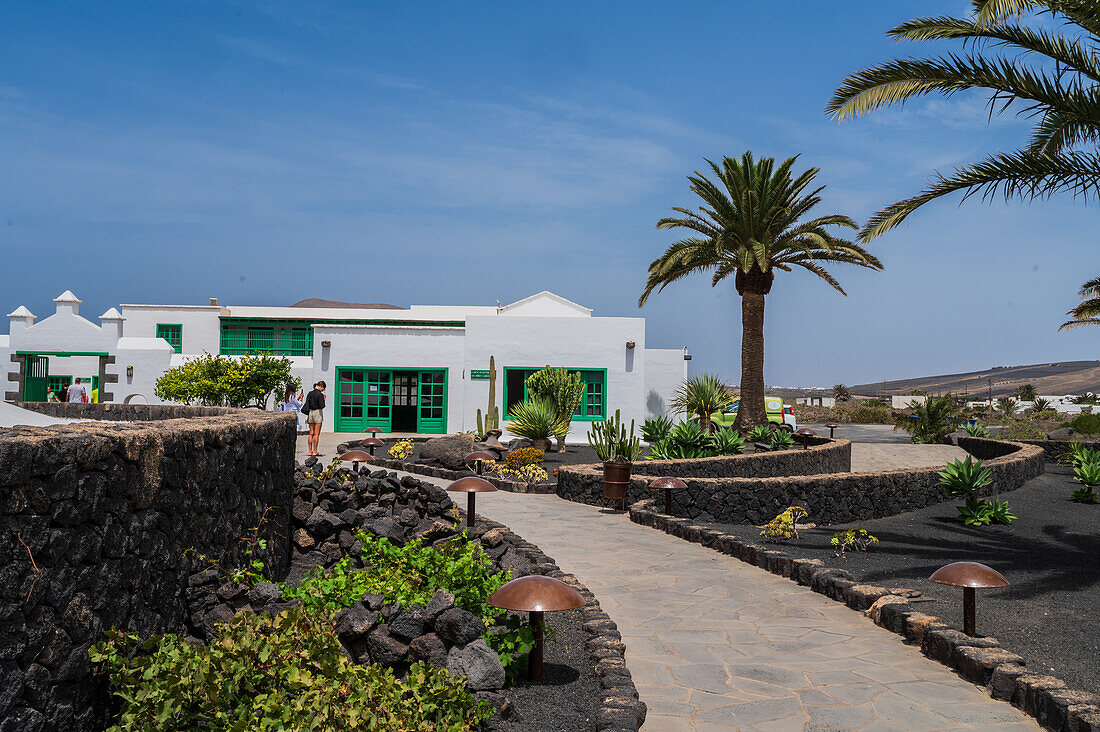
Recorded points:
(536,595)
(471,485)
(970,576)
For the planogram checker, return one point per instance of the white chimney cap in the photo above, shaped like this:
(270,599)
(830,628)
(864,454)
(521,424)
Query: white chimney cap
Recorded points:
(67,296)
(21,312)
(112,314)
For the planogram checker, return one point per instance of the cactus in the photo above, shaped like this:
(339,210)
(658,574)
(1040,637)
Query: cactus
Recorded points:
(491,420)
(492,415)
(614,443)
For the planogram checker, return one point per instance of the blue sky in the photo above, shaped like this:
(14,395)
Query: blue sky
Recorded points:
(263,152)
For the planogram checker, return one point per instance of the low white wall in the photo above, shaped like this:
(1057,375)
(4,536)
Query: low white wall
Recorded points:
(665,370)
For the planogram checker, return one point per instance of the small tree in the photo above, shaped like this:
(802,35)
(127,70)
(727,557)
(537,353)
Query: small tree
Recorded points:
(1007,407)
(841,393)
(1026,393)
(218,381)
(930,422)
(702,395)
(564,389)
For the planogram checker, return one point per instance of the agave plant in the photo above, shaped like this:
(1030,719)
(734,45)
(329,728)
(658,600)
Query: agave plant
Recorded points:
(781,440)
(931,422)
(688,440)
(536,419)
(1087,473)
(965,476)
(977,429)
(1078,453)
(726,441)
(760,433)
(702,395)
(656,429)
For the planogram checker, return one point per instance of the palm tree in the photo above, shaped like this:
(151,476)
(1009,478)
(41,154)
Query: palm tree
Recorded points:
(1059,92)
(841,393)
(702,395)
(1088,312)
(751,224)
(1007,407)
(1026,393)
(931,422)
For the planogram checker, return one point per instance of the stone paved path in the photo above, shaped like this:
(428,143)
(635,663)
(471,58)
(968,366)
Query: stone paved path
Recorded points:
(714,644)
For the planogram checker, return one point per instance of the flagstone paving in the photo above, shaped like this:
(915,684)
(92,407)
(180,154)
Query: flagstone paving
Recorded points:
(716,644)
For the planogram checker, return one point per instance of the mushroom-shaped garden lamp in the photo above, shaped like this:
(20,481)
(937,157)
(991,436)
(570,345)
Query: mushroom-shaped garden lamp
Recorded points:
(667,485)
(970,576)
(370,443)
(479,457)
(806,433)
(536,595)
(471,485)
(374,430)
(356,457)
(832,426)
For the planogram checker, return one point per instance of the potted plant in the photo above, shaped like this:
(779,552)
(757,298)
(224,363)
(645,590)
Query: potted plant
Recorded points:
(617,448)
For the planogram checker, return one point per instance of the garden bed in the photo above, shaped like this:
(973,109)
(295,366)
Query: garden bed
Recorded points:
(1049,554)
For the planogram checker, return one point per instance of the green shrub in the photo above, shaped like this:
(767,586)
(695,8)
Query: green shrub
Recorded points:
(1086,471)
(867,412)
(283,673)
(561,387)
(785,525)
(408,574)
(225,381)
(1087,424)
(726,441)
(781,440)
(858,539)
(656,429)
(512,643)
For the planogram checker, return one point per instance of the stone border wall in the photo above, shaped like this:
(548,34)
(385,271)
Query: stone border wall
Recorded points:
(584,483)
(116,412)
(1055,448)
(512,486)
(95,520)
(980,661)
(830,498)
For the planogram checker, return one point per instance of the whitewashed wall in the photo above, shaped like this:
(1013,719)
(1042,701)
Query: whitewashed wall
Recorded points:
(665,370)
(201,324)
(363,346)
(572,342)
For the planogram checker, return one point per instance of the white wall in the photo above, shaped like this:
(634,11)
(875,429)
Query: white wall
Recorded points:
(665,370)
(201,324)
(150,358)
(572,342)
(388,347)
(901,402)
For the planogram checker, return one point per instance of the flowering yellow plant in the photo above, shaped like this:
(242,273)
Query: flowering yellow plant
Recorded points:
(401,449)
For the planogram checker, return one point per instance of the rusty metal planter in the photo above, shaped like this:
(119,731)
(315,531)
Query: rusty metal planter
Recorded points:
(616,478)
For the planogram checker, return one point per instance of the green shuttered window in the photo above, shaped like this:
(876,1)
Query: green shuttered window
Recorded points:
(593,404)
(173,333)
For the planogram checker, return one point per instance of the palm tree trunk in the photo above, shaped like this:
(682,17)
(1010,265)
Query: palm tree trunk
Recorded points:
(750,412)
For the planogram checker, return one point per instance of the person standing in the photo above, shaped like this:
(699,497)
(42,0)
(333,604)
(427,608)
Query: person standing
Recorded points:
(314,409)
(77,393)
(292,403)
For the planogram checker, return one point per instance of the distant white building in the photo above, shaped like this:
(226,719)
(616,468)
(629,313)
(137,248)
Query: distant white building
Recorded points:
(816,401)
(903,401)
(419,369)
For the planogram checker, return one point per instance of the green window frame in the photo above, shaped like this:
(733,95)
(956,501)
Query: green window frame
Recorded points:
(173,333)
(243,339)
(593,406)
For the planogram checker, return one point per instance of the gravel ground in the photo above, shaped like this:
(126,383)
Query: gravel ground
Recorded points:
(1050,614)
(568,698)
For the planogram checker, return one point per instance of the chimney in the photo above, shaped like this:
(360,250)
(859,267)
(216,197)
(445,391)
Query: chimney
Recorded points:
(67,302)
(111,322)
(21,319)
(213,302)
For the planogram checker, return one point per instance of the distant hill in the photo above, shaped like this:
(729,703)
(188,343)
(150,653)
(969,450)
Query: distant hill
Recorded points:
(1067,377)
(317,302)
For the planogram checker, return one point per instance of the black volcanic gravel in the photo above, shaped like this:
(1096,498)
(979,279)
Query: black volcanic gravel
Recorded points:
(1050,614)
(569,697)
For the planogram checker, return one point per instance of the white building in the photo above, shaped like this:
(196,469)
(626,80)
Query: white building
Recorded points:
(419,369)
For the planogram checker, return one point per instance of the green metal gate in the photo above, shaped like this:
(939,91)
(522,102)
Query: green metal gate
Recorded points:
(36,370)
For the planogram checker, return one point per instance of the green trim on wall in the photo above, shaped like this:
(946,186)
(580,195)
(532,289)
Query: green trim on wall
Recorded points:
(359,424)
(576,418)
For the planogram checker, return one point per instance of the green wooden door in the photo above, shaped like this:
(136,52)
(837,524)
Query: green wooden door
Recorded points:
(36,370)
(379,400)
(432,417)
